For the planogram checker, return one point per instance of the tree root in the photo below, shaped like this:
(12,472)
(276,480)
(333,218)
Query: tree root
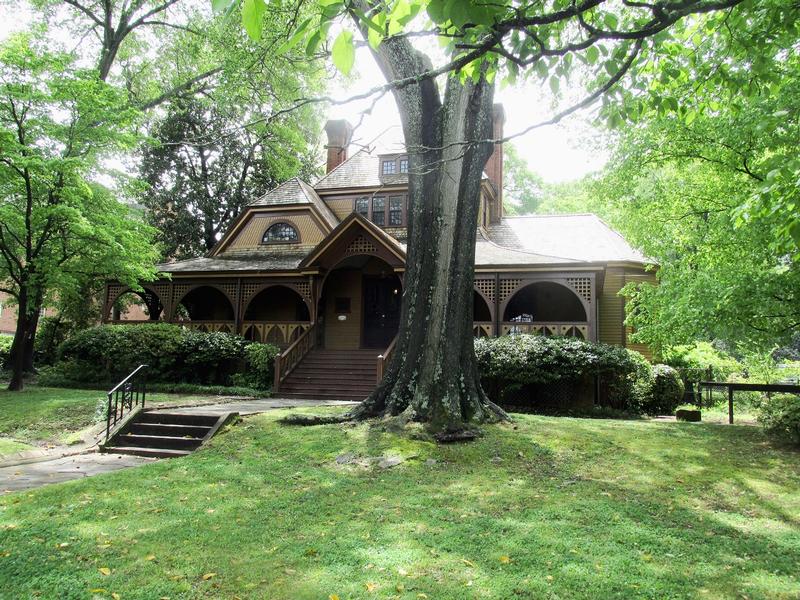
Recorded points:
(308,420)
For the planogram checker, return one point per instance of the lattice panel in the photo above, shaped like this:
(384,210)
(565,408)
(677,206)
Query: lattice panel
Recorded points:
(114,290)
(304,287)
(231,290)
(582,286)
(486,287)
(507,287)
(179,291)
(360,245)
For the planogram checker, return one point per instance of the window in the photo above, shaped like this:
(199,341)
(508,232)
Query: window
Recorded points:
(379,210)
(383,211)
(404,165)
(396,211)
(388,167)
(362,207)
(280,233)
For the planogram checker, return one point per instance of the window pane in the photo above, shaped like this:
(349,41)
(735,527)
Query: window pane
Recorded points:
(404,165)
(280,232)
(396,211)
(388,167)
(362,206)
(378,210)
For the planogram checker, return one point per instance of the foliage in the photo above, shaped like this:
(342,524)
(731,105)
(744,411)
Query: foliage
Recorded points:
(780,416)
(693,360)
(667,391)
(514,361)
(260,369)
(628,508)
(107,353)
(523,189)
(5,346)
(53,331)
(60,228)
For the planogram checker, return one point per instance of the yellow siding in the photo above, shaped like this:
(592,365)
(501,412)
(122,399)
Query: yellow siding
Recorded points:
(250,234)
(343,335)
(341,207)
(611,308)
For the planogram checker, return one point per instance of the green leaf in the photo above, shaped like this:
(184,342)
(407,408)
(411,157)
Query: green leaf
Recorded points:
(253,17)
(220,6)
(295,39)
(344,52)
(592,54)
(554,84)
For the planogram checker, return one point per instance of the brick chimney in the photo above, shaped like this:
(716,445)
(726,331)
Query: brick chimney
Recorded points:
(339,133)
(494,166)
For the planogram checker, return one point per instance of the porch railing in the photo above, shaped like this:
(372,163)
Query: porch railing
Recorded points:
(287,360)
(125,396)
(383,359)
(482,328)
(565,328)
(281,333)
(209,326)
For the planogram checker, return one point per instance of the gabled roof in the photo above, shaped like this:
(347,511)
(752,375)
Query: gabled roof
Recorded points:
(583,237)
(360,170)
(355,221)
(296,191)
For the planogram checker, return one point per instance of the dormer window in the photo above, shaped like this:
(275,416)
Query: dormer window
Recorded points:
(388,167)
(403,165)
(280,233)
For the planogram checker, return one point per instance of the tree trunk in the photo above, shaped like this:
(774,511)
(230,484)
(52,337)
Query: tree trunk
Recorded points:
(19,345)
(432,376)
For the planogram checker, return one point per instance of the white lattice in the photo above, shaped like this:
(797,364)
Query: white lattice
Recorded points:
(486,287)
(507,287)
(582,286)
(360,245)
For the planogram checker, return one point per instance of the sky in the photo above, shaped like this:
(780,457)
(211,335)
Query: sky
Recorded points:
(557,153)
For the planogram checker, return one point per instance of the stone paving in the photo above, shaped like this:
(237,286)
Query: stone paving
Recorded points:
(56,468)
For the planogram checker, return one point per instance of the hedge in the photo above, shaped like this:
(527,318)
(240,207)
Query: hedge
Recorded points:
(107,353)
(512,362)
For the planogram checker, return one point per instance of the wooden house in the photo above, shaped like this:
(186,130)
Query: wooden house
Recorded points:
(318,270)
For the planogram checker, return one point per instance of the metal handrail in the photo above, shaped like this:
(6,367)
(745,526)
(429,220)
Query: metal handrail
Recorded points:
(384,358)
(127,394)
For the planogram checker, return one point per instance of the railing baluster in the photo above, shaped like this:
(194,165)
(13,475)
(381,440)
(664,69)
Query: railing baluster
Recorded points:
(133,390)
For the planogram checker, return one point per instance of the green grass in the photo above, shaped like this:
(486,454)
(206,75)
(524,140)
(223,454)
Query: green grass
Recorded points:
(46,416)
(548,508)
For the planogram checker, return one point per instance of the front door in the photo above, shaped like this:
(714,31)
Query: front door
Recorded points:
(382,297)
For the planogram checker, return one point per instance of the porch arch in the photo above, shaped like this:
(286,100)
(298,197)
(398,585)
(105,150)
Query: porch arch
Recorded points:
(277,314)
(156,305)
(546,301)
(206,303)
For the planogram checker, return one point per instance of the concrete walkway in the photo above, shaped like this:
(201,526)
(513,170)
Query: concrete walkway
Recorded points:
(57,468)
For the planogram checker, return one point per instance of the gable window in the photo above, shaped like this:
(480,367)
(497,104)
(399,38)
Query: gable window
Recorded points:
(280,233)
(388,167)
(383,211)
(403,165)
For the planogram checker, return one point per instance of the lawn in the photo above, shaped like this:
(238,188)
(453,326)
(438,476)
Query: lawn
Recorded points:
(40,416)
(550,508)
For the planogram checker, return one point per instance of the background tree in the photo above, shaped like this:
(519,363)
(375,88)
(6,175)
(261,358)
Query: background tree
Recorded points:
(432,376)
(58,228)
(523,189)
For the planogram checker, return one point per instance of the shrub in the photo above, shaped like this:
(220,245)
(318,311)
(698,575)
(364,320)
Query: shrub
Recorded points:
(667,392)
(260,365)
(693,360)
(52,332)
(511,362)
(5,348)
(780,416)
(107,353)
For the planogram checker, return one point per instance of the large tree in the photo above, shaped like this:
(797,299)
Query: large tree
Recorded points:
(432,376)
(58,227)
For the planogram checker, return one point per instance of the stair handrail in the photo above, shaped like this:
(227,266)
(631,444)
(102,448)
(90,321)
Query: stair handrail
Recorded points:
(133,391)
(383,359)
(287,360)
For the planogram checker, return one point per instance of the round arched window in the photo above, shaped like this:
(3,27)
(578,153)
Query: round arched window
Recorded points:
(280,233)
